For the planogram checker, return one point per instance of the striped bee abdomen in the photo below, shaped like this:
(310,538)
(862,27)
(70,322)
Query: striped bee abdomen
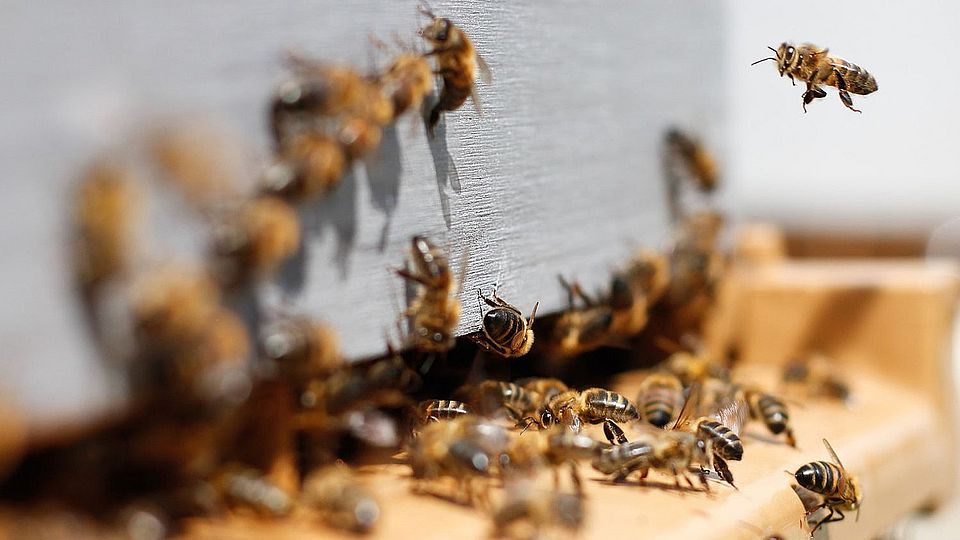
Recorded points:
(774,413)
(606,404)
(624,457)
(502,326)
(856,79)
(726,443)
(820,477)
(442,409)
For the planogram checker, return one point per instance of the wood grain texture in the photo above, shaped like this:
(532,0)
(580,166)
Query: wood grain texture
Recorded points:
(559,175)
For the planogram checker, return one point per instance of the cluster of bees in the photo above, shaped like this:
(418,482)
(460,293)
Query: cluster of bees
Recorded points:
(210,432)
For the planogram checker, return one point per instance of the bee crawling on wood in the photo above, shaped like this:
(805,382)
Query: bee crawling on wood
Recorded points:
(840,489)
(527,512)
(672,452)
(504,329)
(720,426)
(815,66)
(457,64)
(593,406)
(552,449)
(660,398)
(341,499)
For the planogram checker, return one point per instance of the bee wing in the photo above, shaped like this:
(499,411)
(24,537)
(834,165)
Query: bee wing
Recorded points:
(690,406)
(833,454)
(732,412)
(485,74)
(476,100)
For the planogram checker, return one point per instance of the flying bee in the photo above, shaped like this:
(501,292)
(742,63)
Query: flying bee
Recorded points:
(457,64)
(490,396)
(435,410)
(407,81)
(840,489)
(672,452)
(302,348)
(309,164)
(593,406)
(106,206)
(464,449)
(815,66)
(504,329)
(435,310)
(526,512)
(255,238)
(660,398)
(771,410)
(815,375)
(241,486)
(720,426)
(552,449)
(341,499)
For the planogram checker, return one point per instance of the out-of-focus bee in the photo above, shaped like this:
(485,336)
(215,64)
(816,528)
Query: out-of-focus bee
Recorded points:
(634,290)
(839,489)
(695,263)
(580,328)
(813,375)
(720,426)
(106,208)
(527,512)
(593,406)
(435,410)
(457,64)
(694,157)
(386,381)
(672,452)
(771,410)
(552,449)
(464,449)
(504,329)
(436,309)
(255,238)
(244,487)
(308,164)
(407,81)
(489,397)
(660,398)
(815,66)
(544,388)
(689,367)
(342,500)
(648,271)
(301,348)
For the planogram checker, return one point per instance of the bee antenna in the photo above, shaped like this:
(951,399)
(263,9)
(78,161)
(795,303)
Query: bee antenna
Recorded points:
(762,59)
(772,49)
(425,8)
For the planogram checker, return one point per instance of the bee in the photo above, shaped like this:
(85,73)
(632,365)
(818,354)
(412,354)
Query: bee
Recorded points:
(594,406)
(815,66)
(553,449)
(302,348)
(580,328)
(504,329)
(673,452)
(840,489)
(720,426)
(816,376)
(689,367)
(771,410)
(242,486)
(435,310)
(648,271)
(341,499)
(488,397)
(660,398)
(252,240)
(457,64)
(386,381)
(464,449)
(406,81)
(695,263)
(525,512)
(686,150)
(435,410)
(309,164)
(543,388)
(106,205)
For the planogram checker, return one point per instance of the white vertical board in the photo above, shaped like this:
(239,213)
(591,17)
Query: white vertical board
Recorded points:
(559,175)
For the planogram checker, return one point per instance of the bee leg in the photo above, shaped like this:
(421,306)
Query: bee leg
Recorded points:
(844,95)
(791,440)
(575,477)
(407,274)
(720,465)
(827,519)
(812,93)
(613,432)
(792,80)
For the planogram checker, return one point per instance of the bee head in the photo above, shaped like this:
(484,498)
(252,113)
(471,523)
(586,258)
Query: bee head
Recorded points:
(437,31)
(787,57)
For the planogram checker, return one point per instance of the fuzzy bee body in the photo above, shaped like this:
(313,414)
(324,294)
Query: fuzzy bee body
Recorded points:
(490,396)
(435,310)
(840,489)
(506,331)
(660,397)
(672,452)
(771,410)
(594,406)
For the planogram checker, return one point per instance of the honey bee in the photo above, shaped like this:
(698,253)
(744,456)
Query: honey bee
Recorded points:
(504,329)
(255,238)
(464,449)
(457,64)
(385,381)
(815,66)
(341,499)
(689,367)
(580,328)
(660,398)
(695,264)
(673,452)
(309,164)
(648,271)
(435,310)
(242,486)
(839,489)
(106,205)
(526,512)
(543,388)
(488,397)
(407,81)
(771,410)
(435,410)
(815,375)
(720,426)
(695,158)
(594,406)
(301,348)
(553,449)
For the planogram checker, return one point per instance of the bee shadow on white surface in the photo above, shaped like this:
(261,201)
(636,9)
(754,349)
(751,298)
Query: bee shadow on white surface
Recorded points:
(448,178)
(384,169)
(337,211)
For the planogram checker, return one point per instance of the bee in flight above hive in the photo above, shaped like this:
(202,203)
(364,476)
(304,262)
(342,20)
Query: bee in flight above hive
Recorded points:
(815,66)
